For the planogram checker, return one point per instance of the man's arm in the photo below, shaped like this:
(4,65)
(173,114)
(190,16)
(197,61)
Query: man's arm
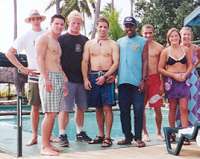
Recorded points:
(84,66)
(115,58)
(11,55)
(145,62)
(41,51)
(144,66)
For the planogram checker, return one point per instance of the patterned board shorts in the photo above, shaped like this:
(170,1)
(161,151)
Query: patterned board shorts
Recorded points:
(52,101)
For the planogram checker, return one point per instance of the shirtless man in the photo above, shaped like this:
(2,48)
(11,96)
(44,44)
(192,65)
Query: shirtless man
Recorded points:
(100,61)
(154,84)
(51,81)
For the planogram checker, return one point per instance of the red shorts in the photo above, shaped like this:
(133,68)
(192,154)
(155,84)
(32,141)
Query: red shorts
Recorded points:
(152,91)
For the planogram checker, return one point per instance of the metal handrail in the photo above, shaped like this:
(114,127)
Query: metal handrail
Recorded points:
(19,126)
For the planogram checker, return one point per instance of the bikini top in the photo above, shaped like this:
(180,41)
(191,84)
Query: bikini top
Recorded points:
(171,60)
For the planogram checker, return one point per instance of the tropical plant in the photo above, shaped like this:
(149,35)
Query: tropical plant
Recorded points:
(68,5)
(115,30)
(164,14)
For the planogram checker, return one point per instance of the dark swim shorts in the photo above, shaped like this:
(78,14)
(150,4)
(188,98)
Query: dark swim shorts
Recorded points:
(100,96)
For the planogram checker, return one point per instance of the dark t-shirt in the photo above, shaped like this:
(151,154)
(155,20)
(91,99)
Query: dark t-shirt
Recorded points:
(72,52)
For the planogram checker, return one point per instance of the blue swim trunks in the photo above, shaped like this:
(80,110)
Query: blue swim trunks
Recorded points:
(100,96)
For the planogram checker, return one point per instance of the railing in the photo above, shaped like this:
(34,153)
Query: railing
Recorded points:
(19,126)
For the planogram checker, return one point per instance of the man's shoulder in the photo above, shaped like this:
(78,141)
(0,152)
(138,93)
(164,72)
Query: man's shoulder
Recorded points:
(43,38)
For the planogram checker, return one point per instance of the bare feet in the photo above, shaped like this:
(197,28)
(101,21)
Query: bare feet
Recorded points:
(54,139)
(55,149)
(160,137)
(146,138)
(49,151)
(32,142)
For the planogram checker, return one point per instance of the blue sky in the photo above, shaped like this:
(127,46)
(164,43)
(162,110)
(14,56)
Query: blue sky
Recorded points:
(24,6)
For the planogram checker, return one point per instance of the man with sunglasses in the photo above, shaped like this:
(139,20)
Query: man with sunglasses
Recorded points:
(132,73)
(26,42)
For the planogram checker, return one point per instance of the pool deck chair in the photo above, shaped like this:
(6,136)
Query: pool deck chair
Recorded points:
(184,137)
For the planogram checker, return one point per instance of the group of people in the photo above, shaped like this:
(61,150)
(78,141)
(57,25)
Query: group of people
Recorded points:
(69,72)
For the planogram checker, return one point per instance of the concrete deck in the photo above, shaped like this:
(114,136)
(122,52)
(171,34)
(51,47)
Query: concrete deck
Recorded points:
(150,152)
(154,150)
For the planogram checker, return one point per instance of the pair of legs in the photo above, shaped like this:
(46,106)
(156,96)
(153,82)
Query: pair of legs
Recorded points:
(104,116)
(63,119)
(34,100)
(47,126)
(76,96)
(128,95)
(183,103)
(158,119)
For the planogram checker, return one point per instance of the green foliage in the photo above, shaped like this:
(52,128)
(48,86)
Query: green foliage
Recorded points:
(69,5)
(115,30)
(164,14)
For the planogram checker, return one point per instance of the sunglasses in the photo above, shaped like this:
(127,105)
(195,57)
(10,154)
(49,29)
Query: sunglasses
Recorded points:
(35,18)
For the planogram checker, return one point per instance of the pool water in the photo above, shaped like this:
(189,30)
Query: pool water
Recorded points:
(90,124)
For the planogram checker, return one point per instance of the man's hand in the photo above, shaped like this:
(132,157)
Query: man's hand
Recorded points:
(141,86)
(48,86)
(87,84)
(27,71)
(100,80)
(65,89)
(110,79)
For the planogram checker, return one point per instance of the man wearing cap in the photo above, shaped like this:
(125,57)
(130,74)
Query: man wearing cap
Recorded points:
(132,73)
(154,84)
(27,42)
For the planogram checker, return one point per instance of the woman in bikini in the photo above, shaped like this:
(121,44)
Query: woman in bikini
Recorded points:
(194,100)
(175,65)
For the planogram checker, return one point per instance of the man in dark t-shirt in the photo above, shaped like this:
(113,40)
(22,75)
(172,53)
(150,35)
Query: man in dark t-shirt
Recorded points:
(72,45)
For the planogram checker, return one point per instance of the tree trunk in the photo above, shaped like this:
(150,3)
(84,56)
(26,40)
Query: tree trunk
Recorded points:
(15,19)
(58,11)
(112,4)
(132,3)
(97,12)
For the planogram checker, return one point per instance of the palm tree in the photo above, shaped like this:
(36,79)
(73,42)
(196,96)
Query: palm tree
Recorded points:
(15,19)
(115,30)
(132,3)
(69,5)
(58,7)
(97,12)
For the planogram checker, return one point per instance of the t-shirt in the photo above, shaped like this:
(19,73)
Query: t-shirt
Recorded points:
(130,66)
(27,43)
(72,52)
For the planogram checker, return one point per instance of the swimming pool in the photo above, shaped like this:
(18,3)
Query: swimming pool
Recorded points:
(90,123)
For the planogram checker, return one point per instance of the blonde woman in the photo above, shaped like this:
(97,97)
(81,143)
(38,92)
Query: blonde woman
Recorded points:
(175,65)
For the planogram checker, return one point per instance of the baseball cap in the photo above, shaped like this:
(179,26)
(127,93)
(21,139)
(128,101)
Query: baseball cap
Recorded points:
(130,20)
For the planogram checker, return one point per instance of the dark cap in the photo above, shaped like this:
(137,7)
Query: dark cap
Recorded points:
(130,20)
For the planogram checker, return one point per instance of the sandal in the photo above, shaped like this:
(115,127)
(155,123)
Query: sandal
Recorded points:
(140,143)
(97,140)
(107,142)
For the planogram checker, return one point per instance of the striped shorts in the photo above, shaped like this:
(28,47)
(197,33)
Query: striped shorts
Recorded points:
(52,101)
